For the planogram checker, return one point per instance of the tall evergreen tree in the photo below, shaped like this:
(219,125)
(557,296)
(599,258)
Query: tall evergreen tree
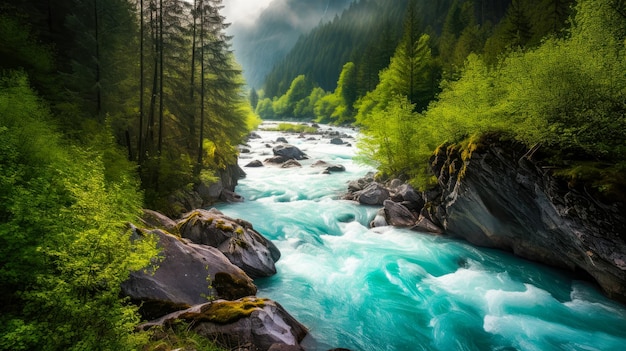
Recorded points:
(254,98)
(518,30)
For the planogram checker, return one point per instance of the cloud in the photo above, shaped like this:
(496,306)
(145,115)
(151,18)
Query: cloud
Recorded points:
(243,11)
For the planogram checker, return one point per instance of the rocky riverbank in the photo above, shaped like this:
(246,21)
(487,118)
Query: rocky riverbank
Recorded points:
(204,276)
(498,196)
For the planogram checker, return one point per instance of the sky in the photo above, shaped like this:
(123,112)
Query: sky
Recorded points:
(243,11)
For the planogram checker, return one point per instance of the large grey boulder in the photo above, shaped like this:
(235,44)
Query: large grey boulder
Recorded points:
(235,238)
(337,141)
(373,194)
(398,215)
(154,219)
(289,151)
(187,275)
(259,323)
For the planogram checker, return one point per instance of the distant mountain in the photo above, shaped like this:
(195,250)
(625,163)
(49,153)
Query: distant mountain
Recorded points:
(259,46)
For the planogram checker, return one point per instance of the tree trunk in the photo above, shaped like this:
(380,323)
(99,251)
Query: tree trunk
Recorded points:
(155,76)
(140,153)
(200,144)
(160,143)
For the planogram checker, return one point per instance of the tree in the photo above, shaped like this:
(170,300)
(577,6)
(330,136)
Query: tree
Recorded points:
(518,28)
(254,98)
(347,88)
(265,109)
(410,69)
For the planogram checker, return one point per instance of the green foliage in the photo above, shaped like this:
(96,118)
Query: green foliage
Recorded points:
(179,336)
(254,98)
(19,49)
(393,138)
(265,109)
(294,128)
(64,243)
(566,95)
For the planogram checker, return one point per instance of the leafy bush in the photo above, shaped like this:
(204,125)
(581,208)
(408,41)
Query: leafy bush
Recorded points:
(64,243)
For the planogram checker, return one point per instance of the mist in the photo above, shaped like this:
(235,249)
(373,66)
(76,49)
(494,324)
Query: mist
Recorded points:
(264,31)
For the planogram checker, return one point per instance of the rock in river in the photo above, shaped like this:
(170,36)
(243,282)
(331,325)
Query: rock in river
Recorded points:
(259,323)
(181,281)
(235,238)
(289,151)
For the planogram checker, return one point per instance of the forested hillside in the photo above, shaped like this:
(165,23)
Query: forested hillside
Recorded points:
(263,43)
(368,33)
(105,107)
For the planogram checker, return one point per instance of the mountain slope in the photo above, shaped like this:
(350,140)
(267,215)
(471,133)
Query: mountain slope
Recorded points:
(259,46)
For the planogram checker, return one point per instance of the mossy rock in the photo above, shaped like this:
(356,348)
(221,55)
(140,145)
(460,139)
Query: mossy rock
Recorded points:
(226,312)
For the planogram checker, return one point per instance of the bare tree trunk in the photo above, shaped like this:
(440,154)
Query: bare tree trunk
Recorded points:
(155,76)
(200,144)
(160,143)
(193,49)
(140,153)
(192,88)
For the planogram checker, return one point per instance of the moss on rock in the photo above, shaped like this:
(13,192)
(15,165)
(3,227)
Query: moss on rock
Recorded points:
(226,312)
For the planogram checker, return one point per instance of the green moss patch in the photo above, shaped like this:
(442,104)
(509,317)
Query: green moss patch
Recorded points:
(226,312)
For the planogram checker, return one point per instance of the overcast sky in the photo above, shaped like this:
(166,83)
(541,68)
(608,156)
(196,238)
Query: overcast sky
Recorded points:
(242,11)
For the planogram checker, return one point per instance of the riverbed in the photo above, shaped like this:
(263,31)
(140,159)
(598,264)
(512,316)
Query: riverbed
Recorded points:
(395,289)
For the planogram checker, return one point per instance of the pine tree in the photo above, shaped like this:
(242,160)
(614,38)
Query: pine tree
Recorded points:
(518,30)
(410,70)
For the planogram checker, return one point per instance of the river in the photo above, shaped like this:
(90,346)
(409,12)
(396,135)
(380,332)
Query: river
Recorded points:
(394,289)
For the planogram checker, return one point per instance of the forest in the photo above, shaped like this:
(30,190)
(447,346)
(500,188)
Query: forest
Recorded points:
(106,107)
(549,75)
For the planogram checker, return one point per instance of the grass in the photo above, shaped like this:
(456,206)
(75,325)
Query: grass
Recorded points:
(178,336)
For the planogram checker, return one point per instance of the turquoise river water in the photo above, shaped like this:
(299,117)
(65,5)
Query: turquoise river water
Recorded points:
(393,289)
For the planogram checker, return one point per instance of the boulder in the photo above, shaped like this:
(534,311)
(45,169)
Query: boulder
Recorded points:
(203,194)
(409,197)
(230,196)
(254,135)
(373,194)
(424,224)
(279,159)
(395,183)
(291,164)
(281,140)
(398,215)
(258,323)
(235,238)
(336,168)
(255,163)
(289,151)
(337,141)
(328,168)
(379,220)
(187,275)
(157,220)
